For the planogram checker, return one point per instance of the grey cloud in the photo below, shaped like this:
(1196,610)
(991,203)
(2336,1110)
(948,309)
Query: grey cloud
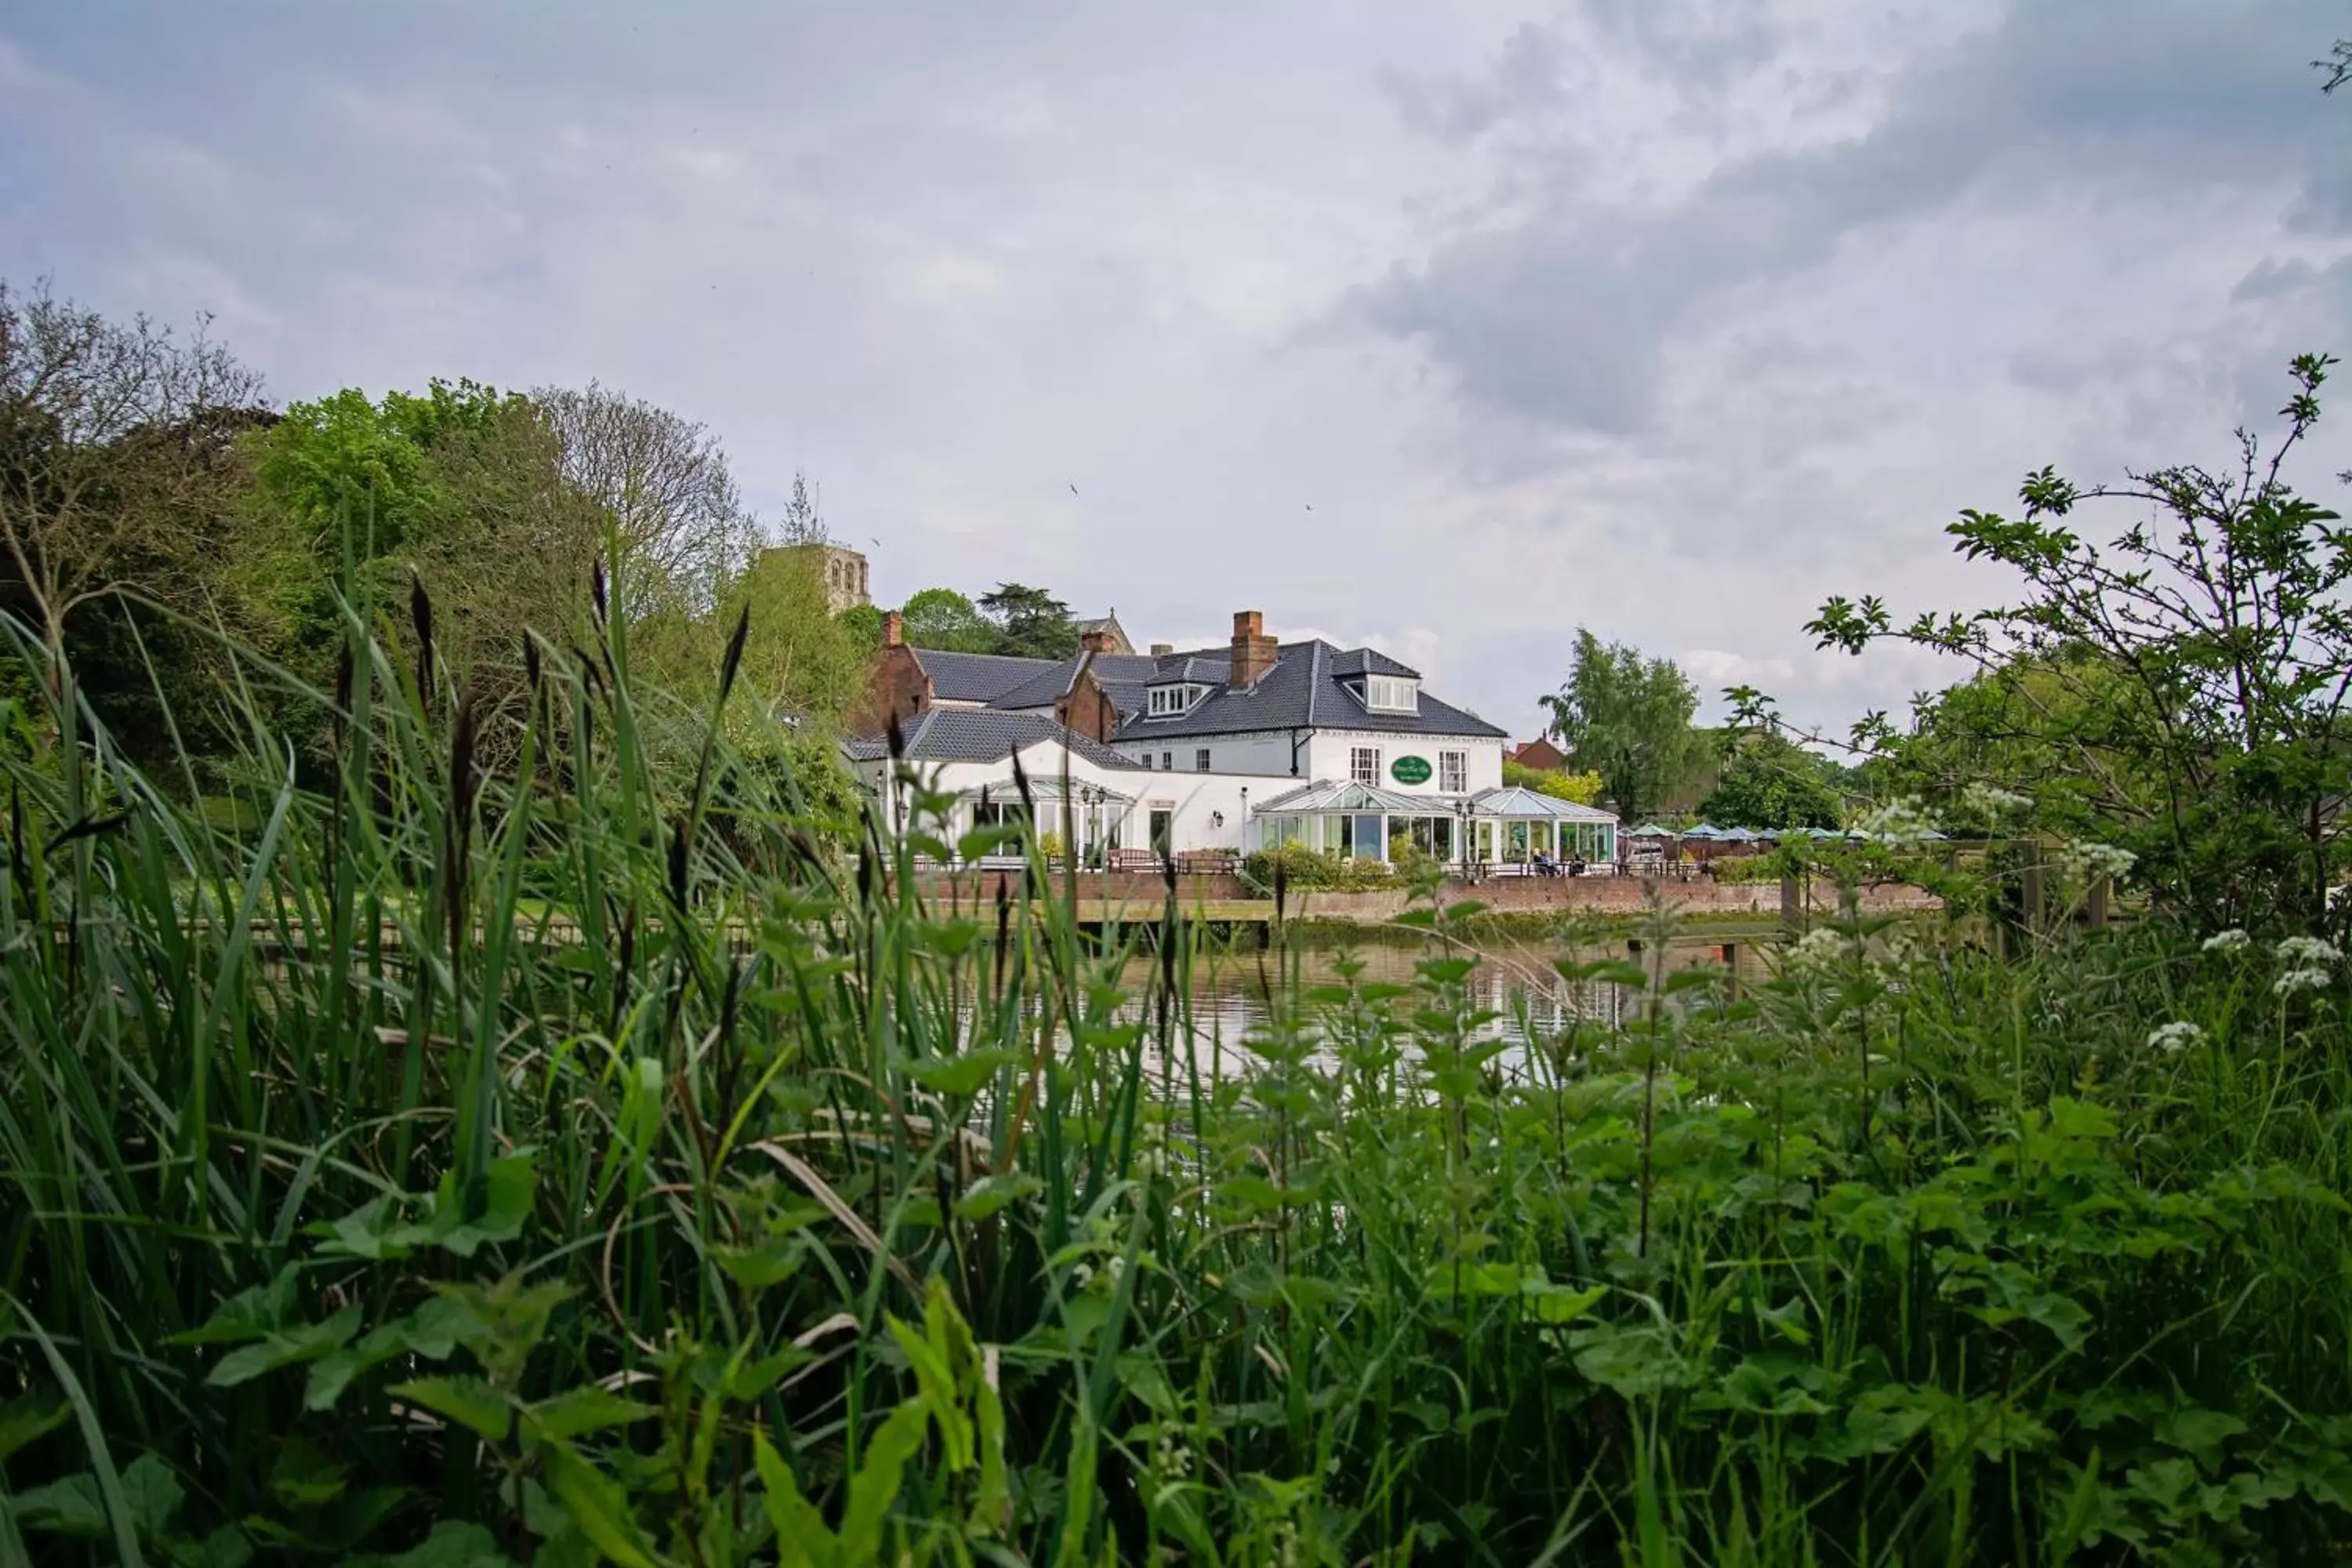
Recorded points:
(1563,316)
(1524,77)
(2271,277)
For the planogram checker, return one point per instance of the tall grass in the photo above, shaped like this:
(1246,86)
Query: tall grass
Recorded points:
(548,1141)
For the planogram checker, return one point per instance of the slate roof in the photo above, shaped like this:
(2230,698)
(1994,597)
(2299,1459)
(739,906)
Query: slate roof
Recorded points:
(978,676)
(1052,679)
(978,735)
(1303,690)
(1369,661)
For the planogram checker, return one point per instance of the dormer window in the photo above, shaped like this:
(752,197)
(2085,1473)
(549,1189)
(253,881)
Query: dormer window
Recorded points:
(1391,694)
(1168,701)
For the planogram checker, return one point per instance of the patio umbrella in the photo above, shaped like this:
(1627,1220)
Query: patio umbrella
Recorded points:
(1650,830)
(1702,831)
(1739,836)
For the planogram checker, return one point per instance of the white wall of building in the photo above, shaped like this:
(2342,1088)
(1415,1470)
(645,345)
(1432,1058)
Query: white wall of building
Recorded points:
(1331,754)
(1207,811)
(1323,753)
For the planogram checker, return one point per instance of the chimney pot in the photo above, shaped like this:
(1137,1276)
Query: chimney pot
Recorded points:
(894,629)
(1253,652)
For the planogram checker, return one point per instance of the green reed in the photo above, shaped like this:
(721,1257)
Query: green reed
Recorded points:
(548,1139)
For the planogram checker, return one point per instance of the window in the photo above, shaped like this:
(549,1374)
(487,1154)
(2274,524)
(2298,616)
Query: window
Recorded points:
(1168,701)
(1167,762)
(1145,759)
(1364,764)
(1391,694)
(1201,761)
(1454,771)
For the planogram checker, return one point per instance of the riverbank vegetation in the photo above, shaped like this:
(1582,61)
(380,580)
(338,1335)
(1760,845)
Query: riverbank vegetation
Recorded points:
(571,1156)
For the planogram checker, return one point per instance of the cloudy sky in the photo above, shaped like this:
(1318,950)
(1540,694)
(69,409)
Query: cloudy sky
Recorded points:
(1445,328)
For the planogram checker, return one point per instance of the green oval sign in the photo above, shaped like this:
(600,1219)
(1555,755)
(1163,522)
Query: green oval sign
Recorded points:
(1410,770)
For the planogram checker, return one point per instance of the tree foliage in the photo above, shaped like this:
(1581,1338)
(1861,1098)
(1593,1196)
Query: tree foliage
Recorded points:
(2191,673)
(943,618)
(1582,789)
(1770,781)
(1628,719)
(1030,622)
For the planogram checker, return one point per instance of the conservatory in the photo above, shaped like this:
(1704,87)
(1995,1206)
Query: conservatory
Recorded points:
(1509,826)
(1512,826)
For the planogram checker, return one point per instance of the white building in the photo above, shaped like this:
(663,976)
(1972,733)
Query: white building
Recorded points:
(1235,748)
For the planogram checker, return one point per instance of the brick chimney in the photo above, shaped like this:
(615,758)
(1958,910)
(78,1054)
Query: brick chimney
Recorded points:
(1162,649)
(1253,652)
(1094,642)
(894,629)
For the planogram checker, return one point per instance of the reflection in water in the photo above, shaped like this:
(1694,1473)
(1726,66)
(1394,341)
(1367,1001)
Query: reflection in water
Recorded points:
(1229,992)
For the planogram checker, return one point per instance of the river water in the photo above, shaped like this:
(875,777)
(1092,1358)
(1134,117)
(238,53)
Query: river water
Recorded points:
(1229,992)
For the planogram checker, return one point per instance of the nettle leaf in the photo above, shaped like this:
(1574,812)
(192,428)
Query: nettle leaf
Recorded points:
(469,1401)
(152,1493)
(454,1544)
(305,1478)
(308,1342)
(29,1417)
(961,1077)
(507,1195)
(248,1315)
(1553,1303)
(69,1507)
(374,1231)
(585,1410)
(992,1194)
(332,1373)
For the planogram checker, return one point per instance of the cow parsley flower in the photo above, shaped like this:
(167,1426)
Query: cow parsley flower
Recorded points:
(1817,952)
(2295,980)
(1898,824)
(2095,861)
(2230,941)
(1992,800)
(2307,952)
(2179,1035)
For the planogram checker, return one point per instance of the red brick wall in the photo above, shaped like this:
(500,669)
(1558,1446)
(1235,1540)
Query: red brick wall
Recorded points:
(1085,709)
(896,686)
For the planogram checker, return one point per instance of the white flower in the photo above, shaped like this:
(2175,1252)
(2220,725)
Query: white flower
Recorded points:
(1172,1459)
(2295,980)
(1897,824)
(1819,951)
(2099,859)
(2230,941)
(1992,800)
(2307,952)
(2175,1035)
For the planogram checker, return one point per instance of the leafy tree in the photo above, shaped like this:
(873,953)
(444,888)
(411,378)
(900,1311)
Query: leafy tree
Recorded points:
(1770,781)
(943,618)
(119,462)
(1628,719)
(2197,666)
(679,522)
(1030,622)
(1582,789)
(862,623)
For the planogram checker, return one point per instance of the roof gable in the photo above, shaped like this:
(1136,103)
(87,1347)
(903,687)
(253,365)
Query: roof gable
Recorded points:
(1304,690)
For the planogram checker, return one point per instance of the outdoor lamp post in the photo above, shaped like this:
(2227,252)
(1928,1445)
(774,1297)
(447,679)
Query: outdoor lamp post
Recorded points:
(1462,811)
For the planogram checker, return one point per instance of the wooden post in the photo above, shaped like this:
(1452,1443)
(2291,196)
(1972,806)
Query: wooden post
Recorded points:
(2095,906)
(1731,968)
(1791,907)
(2034,889)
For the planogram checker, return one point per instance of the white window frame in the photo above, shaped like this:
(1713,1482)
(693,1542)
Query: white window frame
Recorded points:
(1146,761)
(1357,763)
(1391,694)
(1168,701)
(1167,762)
(1453,773)
(1201,761)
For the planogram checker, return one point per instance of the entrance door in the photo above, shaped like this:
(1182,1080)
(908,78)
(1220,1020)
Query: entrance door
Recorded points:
(1163,830)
